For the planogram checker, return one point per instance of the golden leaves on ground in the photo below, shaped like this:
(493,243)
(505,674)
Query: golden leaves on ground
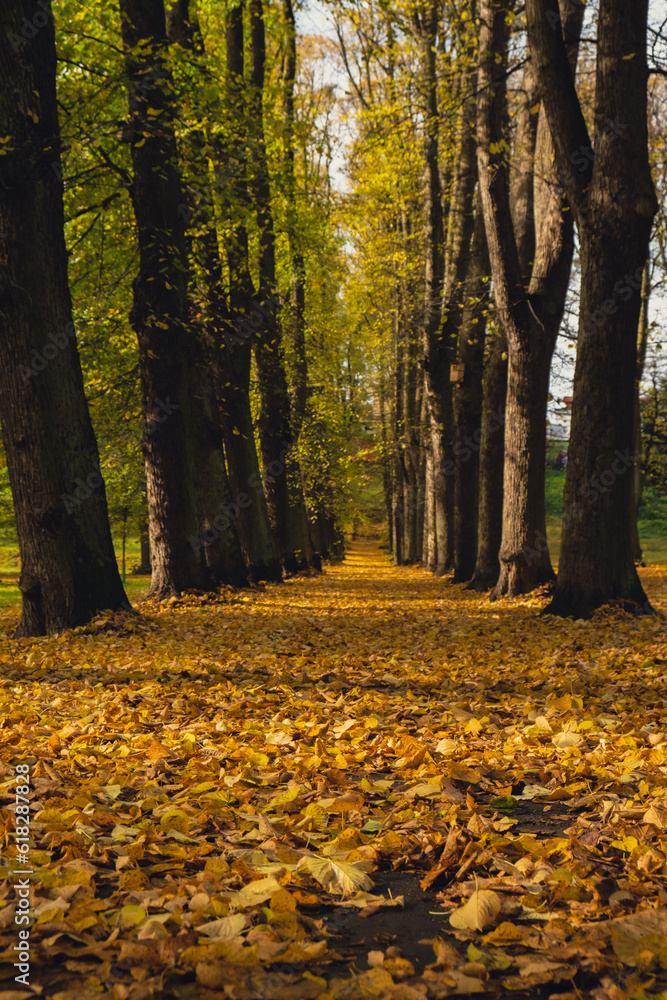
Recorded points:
(226,795)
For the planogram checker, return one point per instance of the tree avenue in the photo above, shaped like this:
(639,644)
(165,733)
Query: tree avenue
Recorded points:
(266,285)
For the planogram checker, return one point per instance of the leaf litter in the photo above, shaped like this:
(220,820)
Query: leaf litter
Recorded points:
(219,784)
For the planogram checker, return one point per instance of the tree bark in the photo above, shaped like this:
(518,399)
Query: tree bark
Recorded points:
(301,528)
(398,422)
(218,511)
(144,566)
(638,466)
(610,189)
(436,346)
(235,346)
(218,535)
(160,310)
(531,316)
(298,267)
(429,544)
(468,396)
(68,566)
(275,431)
(491,466)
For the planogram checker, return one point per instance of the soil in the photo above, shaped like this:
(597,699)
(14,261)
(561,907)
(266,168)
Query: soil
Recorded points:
(354,936)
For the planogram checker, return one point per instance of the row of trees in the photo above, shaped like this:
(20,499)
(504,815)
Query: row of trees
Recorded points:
(179,180)
(484,157)
(235,316)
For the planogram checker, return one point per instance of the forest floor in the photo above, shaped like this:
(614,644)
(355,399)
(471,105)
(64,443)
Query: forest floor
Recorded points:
(369,783)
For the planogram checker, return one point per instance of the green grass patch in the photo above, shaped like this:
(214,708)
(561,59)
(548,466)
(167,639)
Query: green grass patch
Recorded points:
(652,519)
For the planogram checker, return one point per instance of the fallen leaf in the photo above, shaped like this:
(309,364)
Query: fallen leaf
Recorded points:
(478,913)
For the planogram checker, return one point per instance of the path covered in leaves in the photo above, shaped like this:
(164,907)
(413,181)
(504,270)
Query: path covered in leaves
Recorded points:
(223,793)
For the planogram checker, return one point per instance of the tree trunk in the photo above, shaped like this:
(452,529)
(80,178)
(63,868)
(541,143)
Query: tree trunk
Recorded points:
(398,422)
(491,466)
(218,512)
(436,346)
(160,310)
(300,529)
(144,566)
(298,297)
(468,395)
(235,345)
(386,467)
(412,409)
(275,431)
(429,544)
(531,317)
(637,468)
(218,537)
(612,195)
(68,566)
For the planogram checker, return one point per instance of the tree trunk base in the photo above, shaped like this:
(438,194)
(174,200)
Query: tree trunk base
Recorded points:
(293,564)
(517,578)
(570,603)
(265,572)
(482,582)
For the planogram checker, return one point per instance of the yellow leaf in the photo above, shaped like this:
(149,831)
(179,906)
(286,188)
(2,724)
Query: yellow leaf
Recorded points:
(175,819)
(337,876)
(564,740)
(655,817)
(225,929)
(130,916)
(478,913)
(254,893)
(629,932)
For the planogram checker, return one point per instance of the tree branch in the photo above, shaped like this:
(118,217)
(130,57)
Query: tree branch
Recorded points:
(492,162)
(572,142)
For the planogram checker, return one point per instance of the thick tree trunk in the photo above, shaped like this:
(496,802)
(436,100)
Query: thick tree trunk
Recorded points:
(612,195)
(524,551)
(531,317)
(218,536)
(491,466)
(257,543)
(68,567)
(160,310)
(468,396)
(218,511)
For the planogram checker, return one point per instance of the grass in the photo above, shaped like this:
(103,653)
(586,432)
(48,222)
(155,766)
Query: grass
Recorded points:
(652,520)
(10,595)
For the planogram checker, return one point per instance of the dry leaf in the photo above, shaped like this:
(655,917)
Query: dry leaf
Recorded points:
(478,913)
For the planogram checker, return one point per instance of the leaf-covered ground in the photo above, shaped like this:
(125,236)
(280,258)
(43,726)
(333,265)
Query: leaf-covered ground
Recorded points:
(221,787)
